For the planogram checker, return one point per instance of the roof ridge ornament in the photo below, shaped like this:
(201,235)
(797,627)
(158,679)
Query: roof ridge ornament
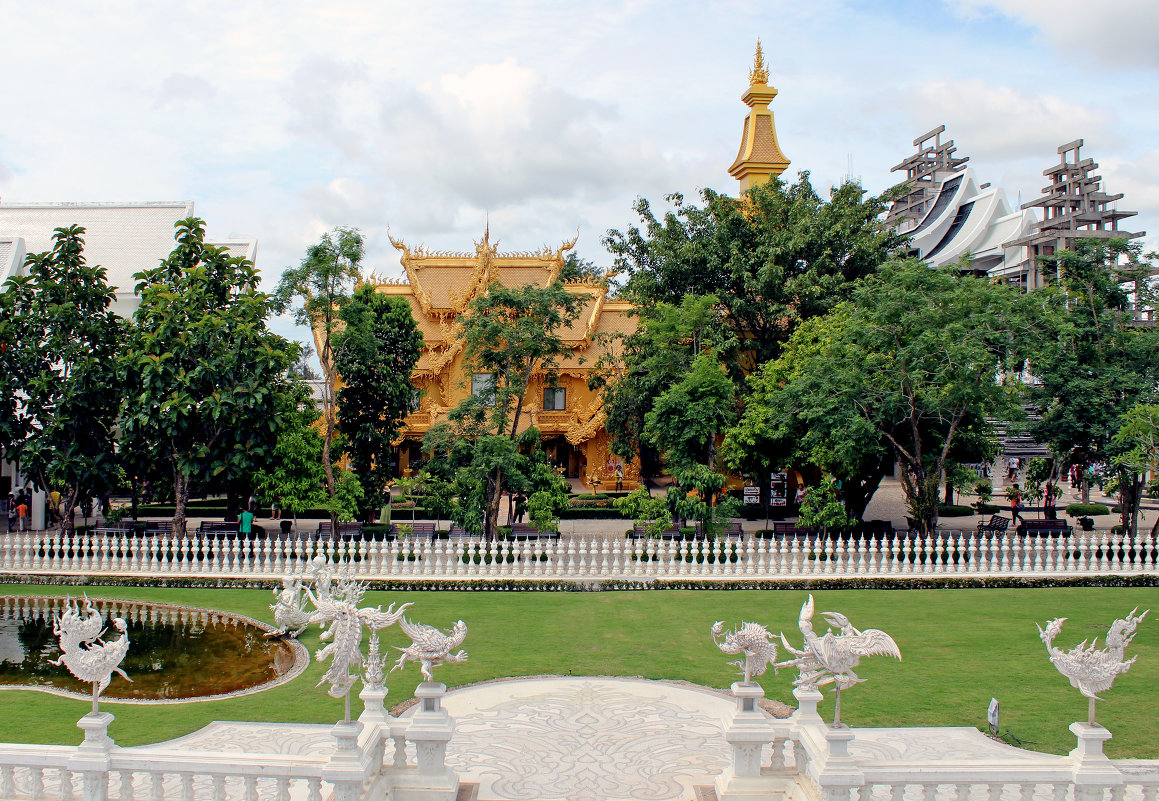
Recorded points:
(759,73)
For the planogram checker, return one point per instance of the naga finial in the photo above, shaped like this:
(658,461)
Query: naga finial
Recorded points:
(759,73)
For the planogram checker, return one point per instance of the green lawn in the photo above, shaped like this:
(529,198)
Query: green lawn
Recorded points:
(960,647)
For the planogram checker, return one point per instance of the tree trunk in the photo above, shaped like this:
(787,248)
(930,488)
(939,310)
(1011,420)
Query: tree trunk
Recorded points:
(180,499)
(949,497)
(1086,488)
(494,494)
(68,519)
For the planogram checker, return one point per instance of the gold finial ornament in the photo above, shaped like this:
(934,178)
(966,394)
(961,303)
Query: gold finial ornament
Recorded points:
(760,158)
(759,73)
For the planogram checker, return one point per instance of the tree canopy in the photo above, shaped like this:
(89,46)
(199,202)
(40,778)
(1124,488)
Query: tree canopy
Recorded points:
(59,342)
(202,374)
(374,353)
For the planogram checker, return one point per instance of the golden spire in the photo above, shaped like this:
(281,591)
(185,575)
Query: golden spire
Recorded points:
(760,158)
(759,73)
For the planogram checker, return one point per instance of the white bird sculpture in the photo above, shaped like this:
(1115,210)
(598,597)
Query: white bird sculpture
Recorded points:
(431,647)
(82,650)
(752,640)
(1093,671)
(830,659)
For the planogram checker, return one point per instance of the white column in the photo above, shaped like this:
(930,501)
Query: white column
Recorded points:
(430,730)
(91,759)
(1093,771)
(747,730)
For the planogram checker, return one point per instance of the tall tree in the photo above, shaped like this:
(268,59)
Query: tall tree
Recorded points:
(776,256)
(323,282)
(374,355)
(59,344)
(292,477)
(510,335)
(202,374)
(1090,361)
(911,361)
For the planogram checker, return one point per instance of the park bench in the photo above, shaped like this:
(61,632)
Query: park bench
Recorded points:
(873,529)
(158,527)
(639,532)
(733,529)
(416,529)
(217,527)
(347,529)
(126,526)
(997,524)
(524,531)
(1044,528)
(793,530)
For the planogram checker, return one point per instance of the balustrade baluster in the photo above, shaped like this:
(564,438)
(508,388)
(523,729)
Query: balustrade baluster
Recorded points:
(314,789)
(126,791)
(1026,791)
(897,791)
(219,793)
(282,791)
(251,788)
(36,783)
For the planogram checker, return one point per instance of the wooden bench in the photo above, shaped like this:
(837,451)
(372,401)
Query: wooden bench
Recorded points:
(157,527)
(524,531)
(996,525)
(793,530)
(416,529)
(733,529)
(1044,528)
(217,527)
(126,526)
(347,529)
(639,532)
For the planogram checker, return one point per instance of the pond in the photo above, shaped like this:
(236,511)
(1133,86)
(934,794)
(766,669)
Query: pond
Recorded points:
(176,653)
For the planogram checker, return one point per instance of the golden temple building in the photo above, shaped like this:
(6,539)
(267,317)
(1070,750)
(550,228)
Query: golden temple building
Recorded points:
(760,157)
(438,285)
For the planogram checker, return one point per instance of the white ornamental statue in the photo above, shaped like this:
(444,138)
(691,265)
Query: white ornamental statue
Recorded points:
(1093,671)
(289,615)
(431,647)
(830,658)
(336,610)
(82,649)
(752,640)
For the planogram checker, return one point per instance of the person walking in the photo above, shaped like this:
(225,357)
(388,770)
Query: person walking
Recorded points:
(619,476)
(1015,505)
(22,519)
(245,524)
(11,512)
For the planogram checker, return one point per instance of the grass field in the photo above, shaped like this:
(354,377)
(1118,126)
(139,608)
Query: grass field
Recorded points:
(960,648)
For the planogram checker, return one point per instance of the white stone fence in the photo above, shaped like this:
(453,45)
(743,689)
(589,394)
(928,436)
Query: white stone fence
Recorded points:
(581,559)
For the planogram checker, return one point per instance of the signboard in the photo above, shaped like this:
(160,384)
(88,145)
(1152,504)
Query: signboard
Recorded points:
(752,495)
(779,489)
(992,715)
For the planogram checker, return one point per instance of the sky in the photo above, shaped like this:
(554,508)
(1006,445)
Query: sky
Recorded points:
(283,120)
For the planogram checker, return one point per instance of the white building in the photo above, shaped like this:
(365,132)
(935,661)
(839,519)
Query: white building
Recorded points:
(949,214)
(124,238)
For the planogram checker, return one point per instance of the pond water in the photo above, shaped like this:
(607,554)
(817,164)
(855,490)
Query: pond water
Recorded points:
(175,652)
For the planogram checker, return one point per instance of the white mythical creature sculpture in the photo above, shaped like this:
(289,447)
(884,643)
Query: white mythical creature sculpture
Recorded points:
(1093,671)
(752,640)
(431,647)
(288,611)
(82,650)
(830,659)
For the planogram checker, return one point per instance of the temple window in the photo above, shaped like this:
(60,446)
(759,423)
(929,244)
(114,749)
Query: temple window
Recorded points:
(554,399)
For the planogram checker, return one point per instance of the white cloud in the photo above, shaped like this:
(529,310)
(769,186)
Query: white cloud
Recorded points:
(1113,33)
(991,122)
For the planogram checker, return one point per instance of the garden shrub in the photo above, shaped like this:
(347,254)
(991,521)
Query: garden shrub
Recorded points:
(955,510)
(1087,509)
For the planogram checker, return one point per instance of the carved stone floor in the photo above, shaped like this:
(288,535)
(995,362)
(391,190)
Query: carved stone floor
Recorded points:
(586,739)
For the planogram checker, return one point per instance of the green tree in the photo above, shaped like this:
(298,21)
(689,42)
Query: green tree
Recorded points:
(293,475)
(374,354)
(1090,361)
(202,376)
(59,344)
(510,335)
(323,282)
(909,361)
(776,256)
(1137,442)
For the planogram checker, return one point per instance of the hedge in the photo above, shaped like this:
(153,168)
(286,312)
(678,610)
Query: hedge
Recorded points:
(1087,509)
(955,510)
(585,513)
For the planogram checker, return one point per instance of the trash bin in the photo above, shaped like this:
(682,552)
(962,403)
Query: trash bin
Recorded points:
(287,526)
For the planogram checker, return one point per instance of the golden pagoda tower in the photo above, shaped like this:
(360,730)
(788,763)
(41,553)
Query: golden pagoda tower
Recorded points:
(760,157)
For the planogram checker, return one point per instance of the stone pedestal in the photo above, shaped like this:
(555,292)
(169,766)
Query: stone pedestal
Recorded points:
(807,700)
(747,730)
(1093,771)
(91,759)
(430,730)
(373,705)
(346,769)
(839,772)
